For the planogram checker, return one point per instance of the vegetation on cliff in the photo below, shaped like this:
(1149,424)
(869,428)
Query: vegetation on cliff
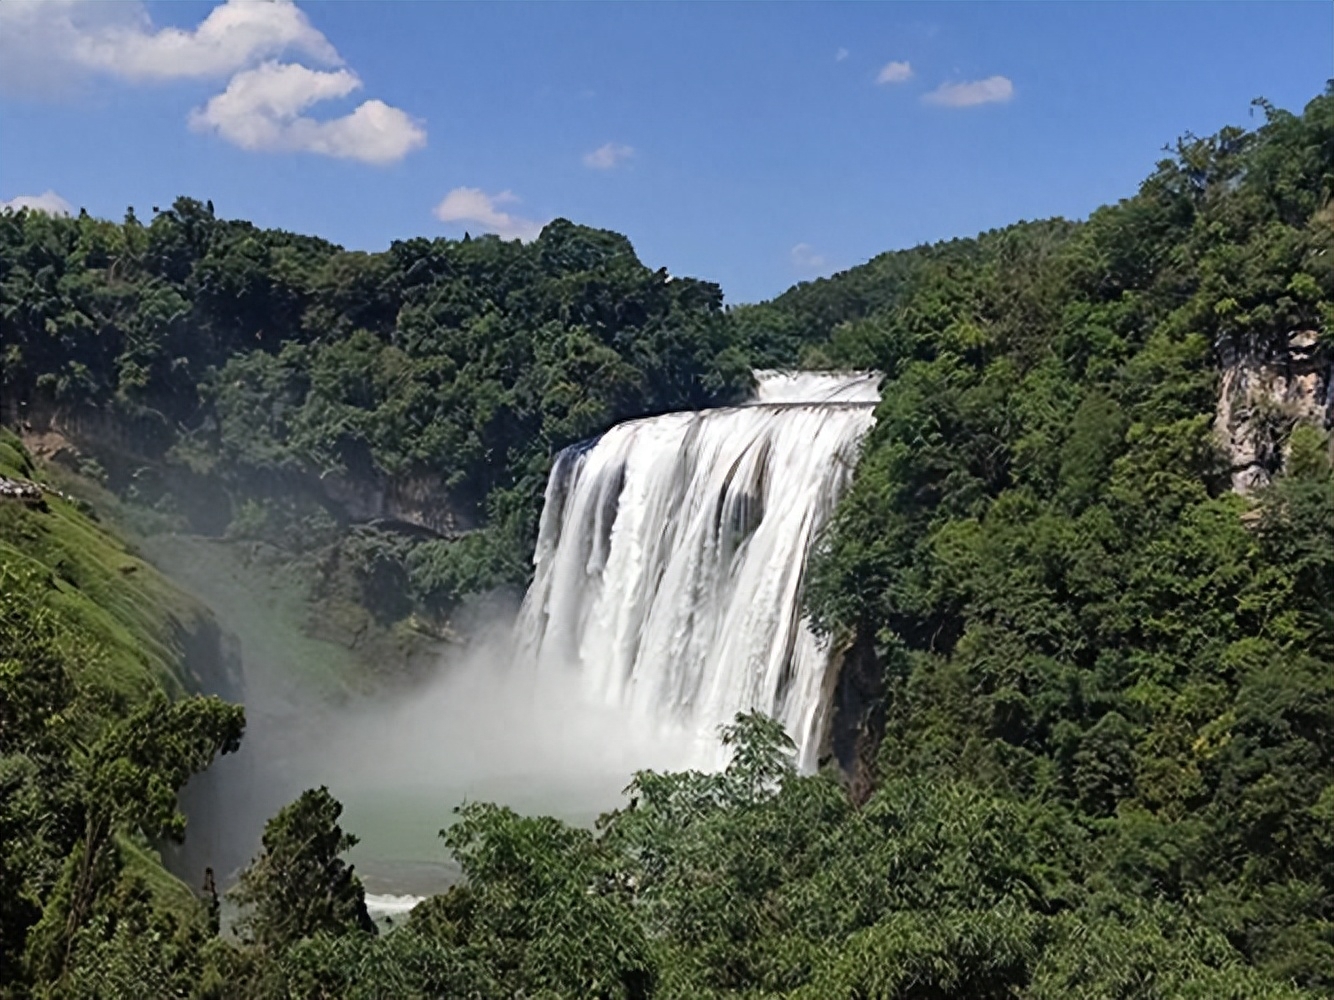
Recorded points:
(1073,611)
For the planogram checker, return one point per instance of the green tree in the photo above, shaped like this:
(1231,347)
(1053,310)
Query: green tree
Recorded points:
(128,782)
(299,885)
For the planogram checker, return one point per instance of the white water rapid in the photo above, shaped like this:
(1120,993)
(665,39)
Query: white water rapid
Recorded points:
(672,551)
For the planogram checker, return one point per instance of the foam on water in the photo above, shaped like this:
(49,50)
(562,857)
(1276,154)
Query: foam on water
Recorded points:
(390,906)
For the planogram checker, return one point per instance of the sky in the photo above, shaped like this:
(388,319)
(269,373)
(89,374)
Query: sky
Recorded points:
(750,144)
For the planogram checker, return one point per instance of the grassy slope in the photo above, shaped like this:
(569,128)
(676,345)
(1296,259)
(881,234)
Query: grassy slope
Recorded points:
(144,625)
(149,634)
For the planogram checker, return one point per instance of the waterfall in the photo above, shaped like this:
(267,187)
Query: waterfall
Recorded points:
(672,551)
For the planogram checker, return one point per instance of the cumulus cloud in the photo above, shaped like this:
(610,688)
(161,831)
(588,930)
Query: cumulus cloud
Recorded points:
(48,202)
(47,47)
(608,156)
(894,72)
(235,34)
(992,90)
(840,55)
(473,205)
(805,259)
(261,109)
(57,41)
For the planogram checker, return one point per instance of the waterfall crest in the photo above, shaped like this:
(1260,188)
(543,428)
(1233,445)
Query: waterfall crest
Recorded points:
(671,555)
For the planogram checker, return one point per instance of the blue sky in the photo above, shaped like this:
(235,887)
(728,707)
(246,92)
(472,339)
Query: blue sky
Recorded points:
(753,145)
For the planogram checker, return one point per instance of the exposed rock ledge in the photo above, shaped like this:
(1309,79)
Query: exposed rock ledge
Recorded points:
(419,501)
(1260,400)
(68,436)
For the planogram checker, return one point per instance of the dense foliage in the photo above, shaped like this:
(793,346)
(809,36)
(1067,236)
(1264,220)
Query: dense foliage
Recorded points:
(750,882)
(299,885)
(1073,609)
(1107,709)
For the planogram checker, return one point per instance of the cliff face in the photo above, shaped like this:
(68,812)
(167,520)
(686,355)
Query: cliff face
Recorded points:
(71,436)
(420,501)
(1261,399)
(857,718)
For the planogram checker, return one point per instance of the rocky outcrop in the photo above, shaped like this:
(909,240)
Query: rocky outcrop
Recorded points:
(858,715)
(72,436)
(21,491)
(417,501)
(1261,399)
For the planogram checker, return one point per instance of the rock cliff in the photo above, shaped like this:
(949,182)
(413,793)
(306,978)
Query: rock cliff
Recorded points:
(420,501)
(72,436)
(1262,398)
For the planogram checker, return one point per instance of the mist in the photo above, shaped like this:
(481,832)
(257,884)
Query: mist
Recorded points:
(481,725)
(486,726)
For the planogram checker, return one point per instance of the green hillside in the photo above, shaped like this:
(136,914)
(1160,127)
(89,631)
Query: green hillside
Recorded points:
(99,655)
(149,634)
(382,421)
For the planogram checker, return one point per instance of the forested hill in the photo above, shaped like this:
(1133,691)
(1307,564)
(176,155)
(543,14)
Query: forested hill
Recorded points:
(365,414)
(1217,216)
(264,385)
(1091,536)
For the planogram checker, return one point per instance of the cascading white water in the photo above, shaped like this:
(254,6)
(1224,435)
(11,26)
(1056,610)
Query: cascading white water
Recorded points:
(672,551)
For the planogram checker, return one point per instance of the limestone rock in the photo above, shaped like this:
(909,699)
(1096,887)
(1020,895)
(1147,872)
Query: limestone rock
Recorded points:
(1261,399)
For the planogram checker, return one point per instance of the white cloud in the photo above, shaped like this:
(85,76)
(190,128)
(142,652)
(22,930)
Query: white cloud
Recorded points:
(235,34)
(992,90)
(50,45)
(48,202)
(840,55)
(465,204)
(608,155)
(805,259)
(261,109)
(894,72)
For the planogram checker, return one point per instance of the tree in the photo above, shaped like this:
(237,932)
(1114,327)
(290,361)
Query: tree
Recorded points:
(300,886)
(128,782)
